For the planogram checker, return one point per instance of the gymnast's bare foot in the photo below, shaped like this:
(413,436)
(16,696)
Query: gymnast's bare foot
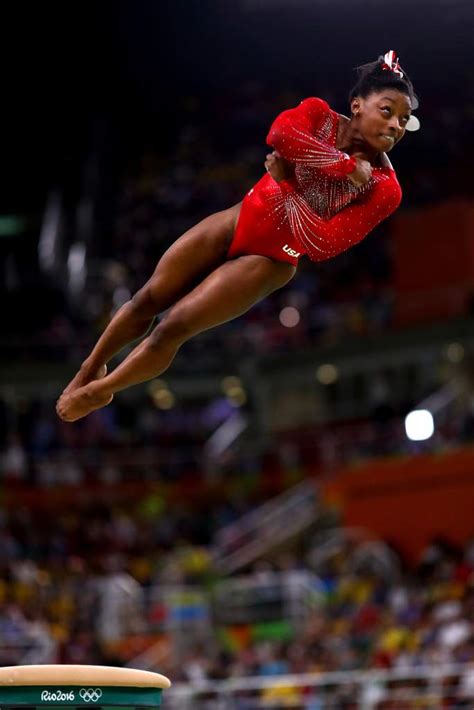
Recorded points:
(74,405)
(83,377)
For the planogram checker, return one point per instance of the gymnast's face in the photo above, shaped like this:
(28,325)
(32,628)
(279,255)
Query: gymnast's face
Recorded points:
(382,118)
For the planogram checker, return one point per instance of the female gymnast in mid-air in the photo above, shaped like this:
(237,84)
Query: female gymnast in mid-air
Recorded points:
(329,182)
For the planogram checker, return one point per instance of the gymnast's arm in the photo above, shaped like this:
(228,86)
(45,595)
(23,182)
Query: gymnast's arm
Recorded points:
(292,136)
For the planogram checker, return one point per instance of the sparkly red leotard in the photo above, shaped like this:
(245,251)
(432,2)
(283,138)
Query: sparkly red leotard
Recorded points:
(319,212)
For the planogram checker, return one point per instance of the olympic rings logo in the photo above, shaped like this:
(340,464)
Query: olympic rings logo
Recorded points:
(89,695)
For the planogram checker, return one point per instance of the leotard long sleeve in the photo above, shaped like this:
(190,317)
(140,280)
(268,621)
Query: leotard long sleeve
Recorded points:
(319,212)
(294,135)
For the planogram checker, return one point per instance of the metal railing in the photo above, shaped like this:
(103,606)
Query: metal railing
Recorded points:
(450,687)
(34,648)
(243,541)
(271,596)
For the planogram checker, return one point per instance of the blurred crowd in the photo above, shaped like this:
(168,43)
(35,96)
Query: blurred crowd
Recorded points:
(75,582)
(79,585)
(135,440)
(365,619)
(126,441)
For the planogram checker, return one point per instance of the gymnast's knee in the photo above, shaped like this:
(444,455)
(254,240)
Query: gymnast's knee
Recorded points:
(142,303)
(173,329)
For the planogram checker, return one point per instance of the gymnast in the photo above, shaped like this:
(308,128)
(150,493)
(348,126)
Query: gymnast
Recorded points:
(329,182)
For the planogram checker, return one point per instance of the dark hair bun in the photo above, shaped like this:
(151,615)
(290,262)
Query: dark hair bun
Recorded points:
(378,75)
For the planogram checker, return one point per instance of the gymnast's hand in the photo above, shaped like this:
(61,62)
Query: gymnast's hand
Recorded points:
(362,173)
(279,168)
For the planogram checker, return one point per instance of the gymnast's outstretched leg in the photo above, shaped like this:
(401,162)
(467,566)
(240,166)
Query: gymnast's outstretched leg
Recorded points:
(188,260)
(226,293)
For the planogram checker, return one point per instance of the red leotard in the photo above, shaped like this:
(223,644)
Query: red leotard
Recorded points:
(319,212)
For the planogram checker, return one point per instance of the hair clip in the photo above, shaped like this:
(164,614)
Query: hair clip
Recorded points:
(390,62)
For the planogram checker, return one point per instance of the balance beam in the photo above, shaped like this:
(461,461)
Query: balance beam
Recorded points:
(54,687)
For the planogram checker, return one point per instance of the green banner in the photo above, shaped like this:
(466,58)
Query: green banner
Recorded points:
(79,696)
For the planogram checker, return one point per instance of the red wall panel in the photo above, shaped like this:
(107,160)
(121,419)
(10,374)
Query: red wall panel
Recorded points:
(410,500)
(433,252)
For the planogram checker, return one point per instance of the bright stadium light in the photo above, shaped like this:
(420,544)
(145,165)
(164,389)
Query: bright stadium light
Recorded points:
(419,425)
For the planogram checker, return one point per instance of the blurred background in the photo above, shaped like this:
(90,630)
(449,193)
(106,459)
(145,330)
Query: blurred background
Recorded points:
(263,524)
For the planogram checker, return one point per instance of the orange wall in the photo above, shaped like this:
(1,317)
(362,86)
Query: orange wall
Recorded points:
(410,500)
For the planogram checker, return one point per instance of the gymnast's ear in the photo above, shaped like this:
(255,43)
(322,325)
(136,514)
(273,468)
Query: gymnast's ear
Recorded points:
(355,105)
